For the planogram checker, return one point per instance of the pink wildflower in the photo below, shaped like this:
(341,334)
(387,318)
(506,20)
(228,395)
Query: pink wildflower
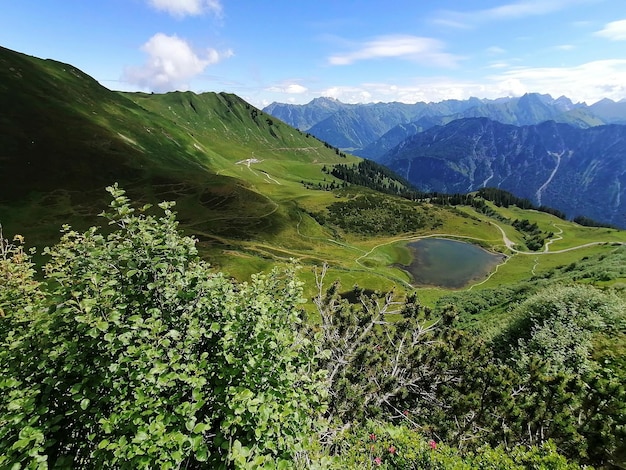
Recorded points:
(392,450)
(372,437)
(378,461)
(432,444)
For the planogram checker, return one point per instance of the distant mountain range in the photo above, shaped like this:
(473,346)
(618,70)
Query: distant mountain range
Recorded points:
(578,171)
(370,130)
(569,156)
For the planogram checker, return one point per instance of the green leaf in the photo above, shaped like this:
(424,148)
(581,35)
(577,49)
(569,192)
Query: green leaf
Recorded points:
(135,319)
(84,403)
(196,442)
(199,428)
(102,325)
(202,454)
(158,368)
(140,437)
(103,443)
(131,272)
(284,465)
(240,450)
(20,444)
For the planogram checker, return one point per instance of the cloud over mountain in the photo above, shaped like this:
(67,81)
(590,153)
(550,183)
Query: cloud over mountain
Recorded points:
(171,63)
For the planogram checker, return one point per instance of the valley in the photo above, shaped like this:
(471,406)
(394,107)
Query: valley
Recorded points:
(533,146)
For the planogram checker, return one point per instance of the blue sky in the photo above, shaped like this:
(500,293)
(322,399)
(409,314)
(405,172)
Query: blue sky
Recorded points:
(355,51)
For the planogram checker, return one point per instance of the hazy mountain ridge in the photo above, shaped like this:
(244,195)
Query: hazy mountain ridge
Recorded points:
(578,171)
(610,111)
(403,120)
(442,147)
(305,116)
(354,126)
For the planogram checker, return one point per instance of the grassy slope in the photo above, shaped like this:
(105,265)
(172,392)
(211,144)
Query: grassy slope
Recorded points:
(65,138)
(234,171)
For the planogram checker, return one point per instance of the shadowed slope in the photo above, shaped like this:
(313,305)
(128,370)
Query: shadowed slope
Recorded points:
(64,137)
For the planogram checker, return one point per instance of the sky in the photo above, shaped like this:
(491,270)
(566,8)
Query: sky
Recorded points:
(292,51)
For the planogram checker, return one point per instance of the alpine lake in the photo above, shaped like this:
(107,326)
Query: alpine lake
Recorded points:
(450,264)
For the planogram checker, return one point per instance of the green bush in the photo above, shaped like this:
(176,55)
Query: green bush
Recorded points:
(557,325)
(139,356)
(386,446)
(374,214)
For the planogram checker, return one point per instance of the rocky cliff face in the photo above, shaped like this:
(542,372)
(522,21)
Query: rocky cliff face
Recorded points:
(578,171)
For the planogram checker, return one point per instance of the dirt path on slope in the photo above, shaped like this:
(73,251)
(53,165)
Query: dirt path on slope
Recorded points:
(511,246)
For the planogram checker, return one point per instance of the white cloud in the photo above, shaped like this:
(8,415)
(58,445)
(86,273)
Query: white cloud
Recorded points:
(425,50)
(525,8)
(498,65)
(615,31)
(171,63)
(351,94)
(509,11)
(587,82)
(495,50)
(288,88)
(423,89)
(182,8)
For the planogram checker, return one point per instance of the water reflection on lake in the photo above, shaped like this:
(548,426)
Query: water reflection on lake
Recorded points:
(448,263)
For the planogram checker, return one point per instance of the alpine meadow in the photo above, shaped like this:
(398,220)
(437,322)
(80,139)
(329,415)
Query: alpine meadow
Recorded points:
(188,281)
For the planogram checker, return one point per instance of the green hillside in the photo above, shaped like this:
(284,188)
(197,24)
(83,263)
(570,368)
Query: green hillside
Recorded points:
(233,171)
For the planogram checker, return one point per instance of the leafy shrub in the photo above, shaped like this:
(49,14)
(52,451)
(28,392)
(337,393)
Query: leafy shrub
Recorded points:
(557,325)
(18,288)
(139,356)
(375,214)
(385,446)
(421,370)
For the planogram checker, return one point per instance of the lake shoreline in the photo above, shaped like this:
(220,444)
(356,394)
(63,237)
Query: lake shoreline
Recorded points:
(448,263)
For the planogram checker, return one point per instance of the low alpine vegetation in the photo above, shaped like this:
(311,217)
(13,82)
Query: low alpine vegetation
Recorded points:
(135,354)
(129,351)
